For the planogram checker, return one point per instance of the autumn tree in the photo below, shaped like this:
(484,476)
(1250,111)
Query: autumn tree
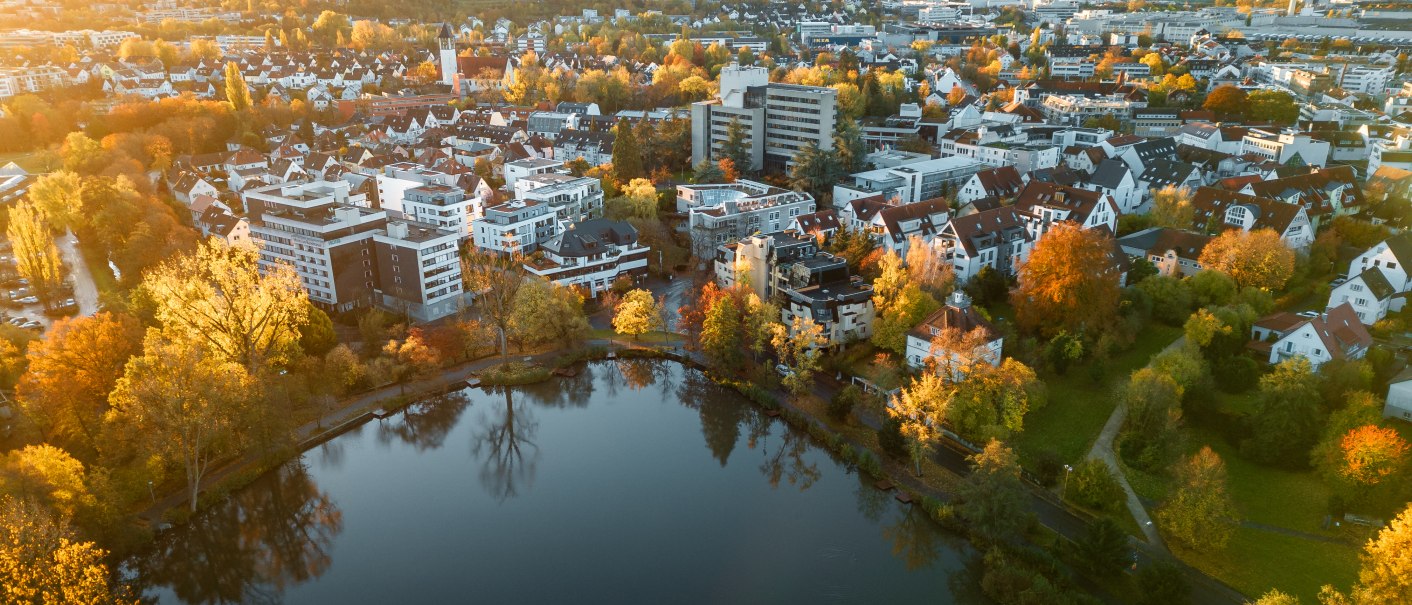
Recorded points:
(815,170)
(191,399)
(991,401)
(237,91)
(495,279)
(546,312)
(56,195)
(993,498)
(219,296)
(928,268)
(920,408)
(1068,283)
(899,303)
(1226,100)
(71,372)
(1287,415)
(42,560)
(36,256)
(1252,258)
(1275,106)
(1372,454)
(799,347)
(637,314)
(1200,514)
(638,200)
(721,338)
(414,358)
(1358,409)
(1171,207)
(1154,403)
(1385,577)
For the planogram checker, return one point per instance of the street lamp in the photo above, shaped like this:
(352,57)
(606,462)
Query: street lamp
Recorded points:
(152,492)
(1065,490)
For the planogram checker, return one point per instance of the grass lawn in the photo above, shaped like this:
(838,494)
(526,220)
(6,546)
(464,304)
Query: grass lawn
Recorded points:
(26,159)
(1256,561)
(650,337)
(1296,500)
(1078,407)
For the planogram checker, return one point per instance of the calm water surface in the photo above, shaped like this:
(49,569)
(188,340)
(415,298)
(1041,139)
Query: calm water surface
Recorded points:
(635,482)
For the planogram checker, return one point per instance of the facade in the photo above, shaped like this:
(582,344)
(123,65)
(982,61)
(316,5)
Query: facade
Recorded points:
(1369,293)
(1319,337)
(717,214)
(441,206)
(812,283)
(1291,149)
(959,315)
(907,183)
(778,120)
(1174,252)
(591,255)
(570,198)
(995,239)
(514,227)
(1399,397)
(344,252)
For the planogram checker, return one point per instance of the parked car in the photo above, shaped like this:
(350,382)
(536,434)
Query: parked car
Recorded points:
(28,300)
(32,325)
(783,370)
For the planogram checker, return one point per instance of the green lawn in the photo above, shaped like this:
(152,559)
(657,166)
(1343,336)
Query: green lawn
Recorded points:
(1078,407)
(1256,561)
(1296,500)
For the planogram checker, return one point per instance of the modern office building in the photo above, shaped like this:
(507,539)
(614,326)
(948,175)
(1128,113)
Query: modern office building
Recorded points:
(776,120)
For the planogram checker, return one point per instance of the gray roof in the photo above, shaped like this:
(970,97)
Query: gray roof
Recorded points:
(1109,174)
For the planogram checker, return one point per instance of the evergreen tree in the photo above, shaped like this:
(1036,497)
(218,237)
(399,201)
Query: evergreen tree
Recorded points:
(848,146)
(815,171)
(627,157)
(737,148)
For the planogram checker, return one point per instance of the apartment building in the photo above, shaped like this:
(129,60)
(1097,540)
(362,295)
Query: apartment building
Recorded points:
(813,283)
(516,226)
(1297,149)
(344,252)
(727,212)
(908,183)
(440,205)
(518,169)
(15,81)
(570,198)
(778,120)
(591,255)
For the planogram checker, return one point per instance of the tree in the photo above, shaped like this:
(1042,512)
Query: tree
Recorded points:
(706,172)
(991,402)
(638,200)
(1359,408)
(1162,583)
(495,279)
(1251,258)
(56,195)
(637,314)
(1200,515)
(1226,100)
(545,312)
(42,560)
(71,373)
(736,147)
(190,399)
(1287,414)
(219,296)
(799,347)
(1372,454)
(895,318)
(237,91)
(721,338)
(1104,548)
(627,157)
(1171,207)
(1068,283)
(316,335)
(1153,400)
(929,269)
(1275,597)
(993,499)
(1093,484)
(1273,106)
(36,256)
(1386,574)
(815,171)
(920,408)
(849,147)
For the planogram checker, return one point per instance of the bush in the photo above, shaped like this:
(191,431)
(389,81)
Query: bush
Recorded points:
(1092,484)
(1162,583)
(513,373)
(869,464)
(1062,351)
(1236,374)
(843,402)
(891,439)
(1048,466)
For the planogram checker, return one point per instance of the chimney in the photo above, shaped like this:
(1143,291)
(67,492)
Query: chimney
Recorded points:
(960,300)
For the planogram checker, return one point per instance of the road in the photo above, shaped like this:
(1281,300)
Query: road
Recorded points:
(85,289)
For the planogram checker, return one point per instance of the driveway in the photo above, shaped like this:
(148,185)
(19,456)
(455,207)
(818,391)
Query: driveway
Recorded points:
(85,290)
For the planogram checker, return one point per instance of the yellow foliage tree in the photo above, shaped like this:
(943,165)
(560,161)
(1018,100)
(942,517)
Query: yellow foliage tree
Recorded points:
(1251,258)
(36,256)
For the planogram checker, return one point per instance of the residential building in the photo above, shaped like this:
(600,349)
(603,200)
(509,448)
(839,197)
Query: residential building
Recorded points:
(1218,209)
(994,238)
(591,255)
(514,227)
(778,120)
(721,213)
(814,284)
(907,183)
(1174,252)
(570,198)
(1399,396)
(441,206)
(519,169)
(1318,337)
(419,268)
(1286,149)
(959,316)
(1369,293)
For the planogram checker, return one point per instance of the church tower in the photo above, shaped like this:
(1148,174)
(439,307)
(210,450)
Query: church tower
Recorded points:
(447,41)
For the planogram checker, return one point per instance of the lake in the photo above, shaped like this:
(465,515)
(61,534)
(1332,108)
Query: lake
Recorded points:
(637,481)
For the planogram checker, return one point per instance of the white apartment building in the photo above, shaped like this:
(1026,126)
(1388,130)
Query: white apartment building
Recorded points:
(442,206)
(570,198)
(591,255)
(514,227)
(396,179)
(518,169)
(1367,79)
(728,212)
(1285,147)
(907,183)
(16,81)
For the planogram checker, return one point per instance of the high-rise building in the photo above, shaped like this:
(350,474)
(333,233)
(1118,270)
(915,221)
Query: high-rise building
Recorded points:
(775,120)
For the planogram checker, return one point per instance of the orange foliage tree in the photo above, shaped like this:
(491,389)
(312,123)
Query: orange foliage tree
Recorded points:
(1252,258)
(1068,283)
(1372,454)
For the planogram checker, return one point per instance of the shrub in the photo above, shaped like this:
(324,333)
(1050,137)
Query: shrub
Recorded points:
(891,439)
(842,403)
(869,464)
(1047,467)
(1093,485)
(1236,374)
(513,373)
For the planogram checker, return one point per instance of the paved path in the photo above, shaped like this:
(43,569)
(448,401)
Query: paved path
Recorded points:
(85,290)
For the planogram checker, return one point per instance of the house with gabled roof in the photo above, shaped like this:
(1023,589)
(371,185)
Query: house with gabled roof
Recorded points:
(821,225)
(895,226)
(1002,182)
(1369,293)
(1324,193)
(1042,204)
(1113,178)
(1174,252)
(1217,210)
(996,238)
(956,315)
(1319,337)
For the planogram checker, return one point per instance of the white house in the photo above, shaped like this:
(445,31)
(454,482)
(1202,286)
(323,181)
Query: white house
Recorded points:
(1368,292)
(959,315)
(1319,337)
(1399,396)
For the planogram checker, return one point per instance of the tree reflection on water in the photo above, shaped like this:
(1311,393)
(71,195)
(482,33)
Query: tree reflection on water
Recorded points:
(250,547)
(504,444)
(425,424)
